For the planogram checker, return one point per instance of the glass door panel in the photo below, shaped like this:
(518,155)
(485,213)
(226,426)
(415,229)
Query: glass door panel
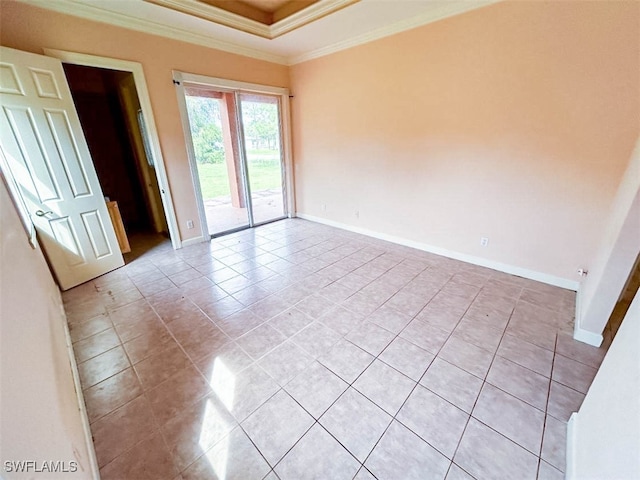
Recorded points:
(220,172)
(261,137)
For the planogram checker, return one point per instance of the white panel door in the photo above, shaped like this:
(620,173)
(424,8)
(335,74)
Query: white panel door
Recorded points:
(47,155)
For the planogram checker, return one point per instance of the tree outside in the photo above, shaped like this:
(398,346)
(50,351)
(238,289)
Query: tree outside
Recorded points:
(261,128)
(206,129)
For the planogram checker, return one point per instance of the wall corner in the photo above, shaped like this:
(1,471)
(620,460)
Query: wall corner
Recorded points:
(572,428)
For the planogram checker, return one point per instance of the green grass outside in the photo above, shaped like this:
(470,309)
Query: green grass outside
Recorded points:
(214,181)
(262,151)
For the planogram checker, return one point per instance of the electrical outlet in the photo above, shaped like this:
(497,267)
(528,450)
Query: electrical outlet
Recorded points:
(190,224)
(484,241)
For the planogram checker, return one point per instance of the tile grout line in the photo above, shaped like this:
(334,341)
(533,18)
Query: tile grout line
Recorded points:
(484,380)
(376,357)
(417,383)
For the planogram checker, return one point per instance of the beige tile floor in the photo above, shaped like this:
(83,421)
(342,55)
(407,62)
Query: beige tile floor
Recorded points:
(299,351)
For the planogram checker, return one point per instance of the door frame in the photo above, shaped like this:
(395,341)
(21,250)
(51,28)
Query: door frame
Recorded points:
(225,85)
(152,133)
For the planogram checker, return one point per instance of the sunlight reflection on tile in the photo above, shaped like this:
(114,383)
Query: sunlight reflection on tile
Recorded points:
(199,413)
(218,458)
(223,382)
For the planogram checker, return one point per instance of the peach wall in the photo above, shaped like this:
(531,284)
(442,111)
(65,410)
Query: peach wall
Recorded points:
(31,29)
(40,416)
(513,122)
(618,250)
(604,436)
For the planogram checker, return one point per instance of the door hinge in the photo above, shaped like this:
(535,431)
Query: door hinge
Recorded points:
(176,82)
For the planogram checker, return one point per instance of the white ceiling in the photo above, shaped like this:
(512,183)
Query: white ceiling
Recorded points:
(359,23)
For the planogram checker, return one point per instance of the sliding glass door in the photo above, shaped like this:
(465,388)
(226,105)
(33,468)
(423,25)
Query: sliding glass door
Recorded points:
(236,145)
(263,155)
(219,171)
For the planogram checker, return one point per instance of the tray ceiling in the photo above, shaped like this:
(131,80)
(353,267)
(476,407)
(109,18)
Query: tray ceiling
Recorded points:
(264,18)
(319,28)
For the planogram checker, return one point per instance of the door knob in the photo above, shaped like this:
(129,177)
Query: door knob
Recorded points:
(40,213)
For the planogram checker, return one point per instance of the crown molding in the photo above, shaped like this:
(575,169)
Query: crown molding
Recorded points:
(97,14)
(307,15)
(445,11)
(215,15)
(229,19)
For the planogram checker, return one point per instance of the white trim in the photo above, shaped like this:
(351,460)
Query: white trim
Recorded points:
(580,334)
(483,262)
(216,15)
(145,105)
(248,25)
(193,241)
(287,146)
(578,310)
(307,15)
(570,456)
(445,11)
(191,155)
(95,13)
(84,417)
(585,336)
(225,85)
(242,155)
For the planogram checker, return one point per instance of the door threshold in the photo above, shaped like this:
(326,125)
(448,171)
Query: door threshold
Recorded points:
(247,227)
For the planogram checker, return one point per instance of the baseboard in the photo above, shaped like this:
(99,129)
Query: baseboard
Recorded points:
(93,461)
(572,428)
(586,336)
(192,241)
(483,262)
(578,310)
(580,334)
